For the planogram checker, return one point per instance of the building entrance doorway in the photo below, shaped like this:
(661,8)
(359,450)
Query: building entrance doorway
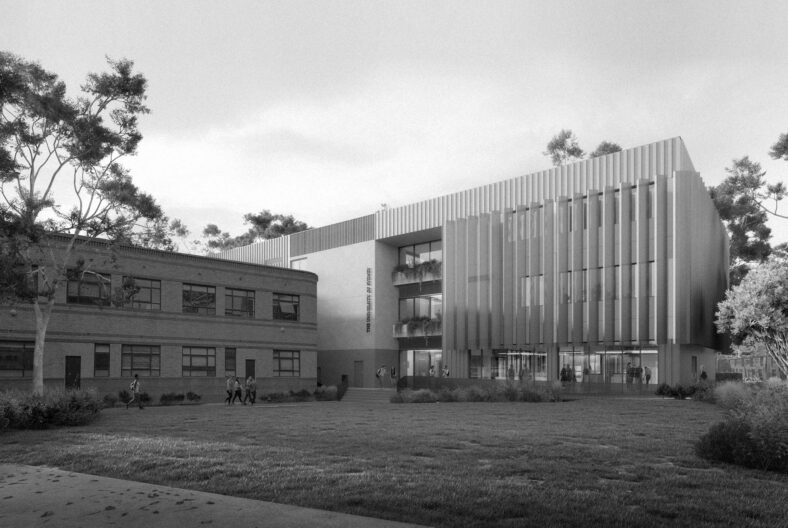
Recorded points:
(250,368)
(358,373)
(73,375)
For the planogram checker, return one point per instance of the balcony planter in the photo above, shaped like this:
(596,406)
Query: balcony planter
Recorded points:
(424,272)
(419,327)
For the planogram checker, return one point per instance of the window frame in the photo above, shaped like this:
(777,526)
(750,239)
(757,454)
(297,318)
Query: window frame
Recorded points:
(232,371)
(209,369)
(230,294)
(104,353)
(280,356)
(133,350)
(132,303)
(24,349)
(85,279)
(190,306)
(294,300)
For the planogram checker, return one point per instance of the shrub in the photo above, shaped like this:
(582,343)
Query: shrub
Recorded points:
(169,398)
(447,395)
(755,431)
(730,394)
(109,400)
(510,391)
(25,411)
(124,396)
(555,391)
(193,397)
(324,393)
(663,389)
(145,397)
(341,390)
(728,376)
(411,396)
(530,395)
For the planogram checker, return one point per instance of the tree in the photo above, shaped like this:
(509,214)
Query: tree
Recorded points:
(780,149)
(50,142)
(605,148)
(757,310)
(737,201)
(563,148)
(263,226)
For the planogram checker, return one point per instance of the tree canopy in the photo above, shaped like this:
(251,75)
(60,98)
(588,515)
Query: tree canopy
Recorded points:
(262,226)
(605,148)
(564,148)
(61,178)
(756,310)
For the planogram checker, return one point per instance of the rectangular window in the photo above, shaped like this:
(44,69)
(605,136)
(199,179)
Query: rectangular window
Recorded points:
(199,299)
(413,255)
(239,303)
(229,362)
(199,362)
(423,306)
(144,360)
(286,307)
(287,363)
(16,359)
(100,360)
(87,287)
(141,294)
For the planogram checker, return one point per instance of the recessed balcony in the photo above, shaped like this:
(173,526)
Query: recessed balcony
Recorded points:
(421,327)
(424,272)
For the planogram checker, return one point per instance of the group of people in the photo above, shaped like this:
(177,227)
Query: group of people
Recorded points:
(240,390)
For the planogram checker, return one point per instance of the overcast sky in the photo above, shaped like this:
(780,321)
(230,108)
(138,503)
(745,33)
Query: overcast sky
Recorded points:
(327,109)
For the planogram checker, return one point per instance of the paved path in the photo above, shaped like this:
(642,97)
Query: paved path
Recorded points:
(32,496)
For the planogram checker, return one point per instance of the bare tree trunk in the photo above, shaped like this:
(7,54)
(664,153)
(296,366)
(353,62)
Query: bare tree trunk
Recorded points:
(42,322)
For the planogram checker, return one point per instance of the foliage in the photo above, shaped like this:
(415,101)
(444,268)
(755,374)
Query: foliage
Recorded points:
(780,148)
(755,430)
(290,397)
(193,397)
(563,148)
(109,400)
(263,226)
(48,142)
(508,392)
(758,309)
(124,396)
(739,201)
(702,391)
(27,411)
(170,398)
(605,148)
(145,397)
(323,393)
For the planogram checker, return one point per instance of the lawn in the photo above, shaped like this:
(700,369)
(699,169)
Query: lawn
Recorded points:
(592,461)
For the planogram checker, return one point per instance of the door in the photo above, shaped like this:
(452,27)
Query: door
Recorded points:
(250,369)
(358,373)
(73,372)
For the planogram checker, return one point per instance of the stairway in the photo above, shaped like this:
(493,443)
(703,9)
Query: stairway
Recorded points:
(361,395)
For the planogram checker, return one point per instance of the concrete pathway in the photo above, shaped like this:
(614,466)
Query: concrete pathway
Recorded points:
(32,496)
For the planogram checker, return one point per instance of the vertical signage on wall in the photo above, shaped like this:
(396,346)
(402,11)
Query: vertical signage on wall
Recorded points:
(369,300)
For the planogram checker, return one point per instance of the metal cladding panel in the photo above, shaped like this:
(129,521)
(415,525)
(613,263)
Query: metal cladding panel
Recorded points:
(273,252)
(627,166)
(332,236)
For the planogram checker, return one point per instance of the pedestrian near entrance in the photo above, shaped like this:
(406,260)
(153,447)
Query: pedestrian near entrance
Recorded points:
(229,385)
(380,374)
(134,388)
(445,371)
(251,390)
(237,392)
(647,372)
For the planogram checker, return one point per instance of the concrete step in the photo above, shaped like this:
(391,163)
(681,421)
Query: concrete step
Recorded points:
(357,394)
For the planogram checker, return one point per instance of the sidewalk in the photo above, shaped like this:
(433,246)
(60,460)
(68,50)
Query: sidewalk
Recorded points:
(32,496)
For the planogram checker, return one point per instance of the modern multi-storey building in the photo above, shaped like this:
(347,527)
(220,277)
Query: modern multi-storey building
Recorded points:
(181,322)
(605,272)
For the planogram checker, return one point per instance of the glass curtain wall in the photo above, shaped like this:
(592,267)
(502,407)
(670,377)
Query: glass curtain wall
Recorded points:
(519,365)
(421,363)
(614,365)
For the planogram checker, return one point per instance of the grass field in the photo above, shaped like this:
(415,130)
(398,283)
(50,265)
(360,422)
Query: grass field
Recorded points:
(587,462)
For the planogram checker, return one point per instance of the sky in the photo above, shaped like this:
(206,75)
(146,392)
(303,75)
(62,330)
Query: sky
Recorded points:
(328,109)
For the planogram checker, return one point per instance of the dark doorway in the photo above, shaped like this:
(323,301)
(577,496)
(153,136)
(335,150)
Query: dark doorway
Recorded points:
(358,373)
(250,369)
(73,372)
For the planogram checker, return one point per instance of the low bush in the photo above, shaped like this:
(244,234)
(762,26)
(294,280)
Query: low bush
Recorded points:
(755,430)
(324,393)
(109,400)
(341,390)
(124,396)
(145,397)
(731,394)
(555,391)
(26,411)
(193,397)
(415,396)
(474,393)
(170,398)
(292,397)
(702,390)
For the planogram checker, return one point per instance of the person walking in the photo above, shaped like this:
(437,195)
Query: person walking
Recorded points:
(237,393)
(251,390)
(229,387)
(134,387)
